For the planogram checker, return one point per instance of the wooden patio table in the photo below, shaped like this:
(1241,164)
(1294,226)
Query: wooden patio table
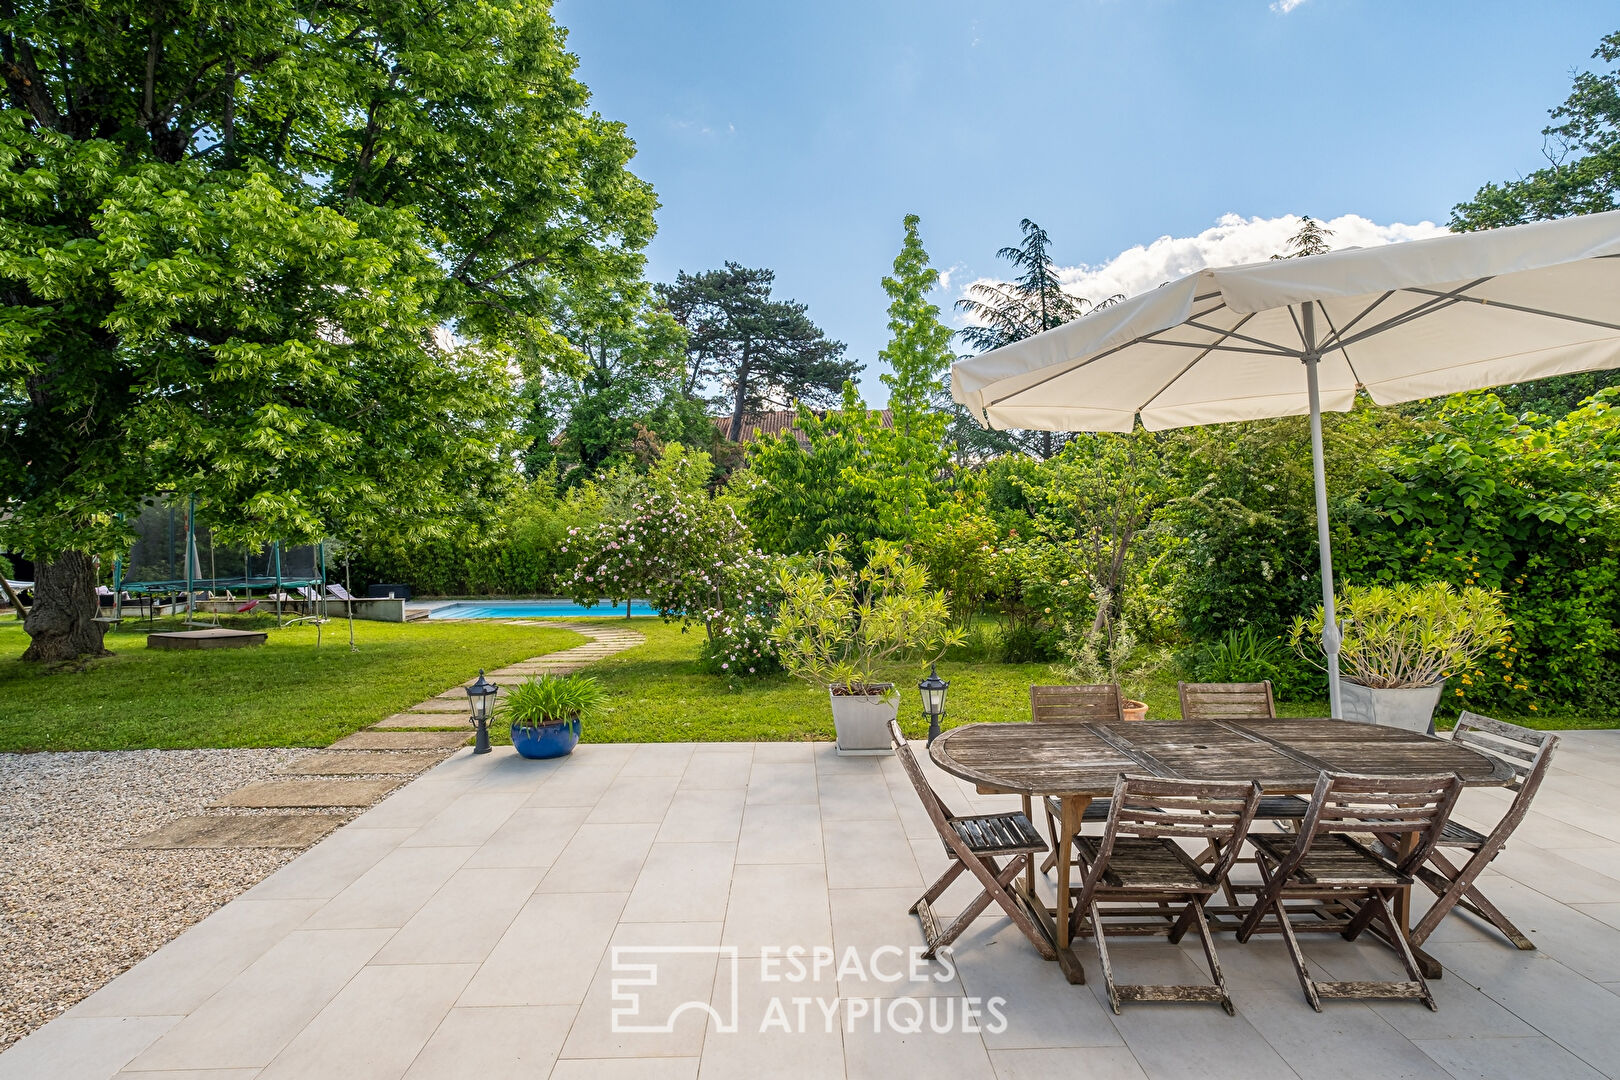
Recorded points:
(1076,763)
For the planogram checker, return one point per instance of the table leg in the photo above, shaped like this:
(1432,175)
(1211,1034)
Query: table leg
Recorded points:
(1029,870)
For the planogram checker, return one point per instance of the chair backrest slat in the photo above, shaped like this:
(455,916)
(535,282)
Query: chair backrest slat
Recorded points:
(1146,807)
(1384,805)
(1526,751)
(1099,703)
(1226,701)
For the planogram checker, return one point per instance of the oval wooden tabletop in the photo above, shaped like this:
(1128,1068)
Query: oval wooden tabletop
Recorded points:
(1283,756)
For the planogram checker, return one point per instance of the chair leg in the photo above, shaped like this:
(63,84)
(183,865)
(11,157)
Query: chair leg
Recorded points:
(1204,938)
(1361,920)
(1403,948)
(939,937)
(1453,887)
(1297,955)
(937,889)
(1102,957)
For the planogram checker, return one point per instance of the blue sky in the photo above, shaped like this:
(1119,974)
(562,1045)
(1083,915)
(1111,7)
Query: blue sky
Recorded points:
(796,135)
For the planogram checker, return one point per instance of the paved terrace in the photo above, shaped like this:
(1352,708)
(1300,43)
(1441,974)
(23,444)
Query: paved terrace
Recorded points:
(463,928)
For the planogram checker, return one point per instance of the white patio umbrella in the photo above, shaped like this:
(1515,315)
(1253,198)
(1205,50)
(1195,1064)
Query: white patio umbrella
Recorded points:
(1402,321)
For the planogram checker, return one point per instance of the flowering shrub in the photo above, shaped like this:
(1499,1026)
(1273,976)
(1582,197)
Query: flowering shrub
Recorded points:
(739,647)
(692,559)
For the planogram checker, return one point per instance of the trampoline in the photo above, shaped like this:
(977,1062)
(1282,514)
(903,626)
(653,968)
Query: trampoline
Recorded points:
(174,559)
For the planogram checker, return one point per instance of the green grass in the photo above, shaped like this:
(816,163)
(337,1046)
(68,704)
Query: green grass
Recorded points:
(657,694)
(287,692)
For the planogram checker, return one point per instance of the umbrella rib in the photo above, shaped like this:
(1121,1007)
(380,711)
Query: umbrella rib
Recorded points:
(1438,301)
(1522,308)
(1224,334)
(1368,310)
(1192,363)
(1109,352)
(1354,374)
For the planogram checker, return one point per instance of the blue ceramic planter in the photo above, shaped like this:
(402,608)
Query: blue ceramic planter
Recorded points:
(546,740)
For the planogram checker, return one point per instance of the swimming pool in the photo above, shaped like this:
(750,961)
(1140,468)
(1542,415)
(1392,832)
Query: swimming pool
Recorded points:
(534,609)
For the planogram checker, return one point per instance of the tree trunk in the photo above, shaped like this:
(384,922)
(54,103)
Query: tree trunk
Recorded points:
(741,398)
(62,622)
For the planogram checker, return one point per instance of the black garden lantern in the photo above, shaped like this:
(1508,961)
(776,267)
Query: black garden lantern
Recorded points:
(933,700)
(481,699)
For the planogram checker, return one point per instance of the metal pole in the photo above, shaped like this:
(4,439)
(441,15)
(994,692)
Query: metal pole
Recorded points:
(191,554)
(1330,621)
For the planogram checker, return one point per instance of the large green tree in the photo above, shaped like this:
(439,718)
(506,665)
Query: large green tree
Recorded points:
(761,352)
(280,255)
(919,349)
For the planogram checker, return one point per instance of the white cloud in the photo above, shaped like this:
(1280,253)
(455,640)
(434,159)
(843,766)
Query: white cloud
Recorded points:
(1233,239)
(1283,7)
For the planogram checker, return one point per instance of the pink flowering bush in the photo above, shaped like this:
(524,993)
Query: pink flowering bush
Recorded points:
(691,558)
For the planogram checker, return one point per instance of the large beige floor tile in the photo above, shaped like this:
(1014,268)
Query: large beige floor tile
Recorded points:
(375,1027)
(600,858)
(780,833)
(682,883)
(772,782)
(550,952)
(1092,1062)
(87,1048)
(651,994)
(257,1013)
(777,907)
(869,855)
(634,799)
(510,1043)
(464,920)
(194,966)
(531,837)
(469,821)
(392,891)
(703,816)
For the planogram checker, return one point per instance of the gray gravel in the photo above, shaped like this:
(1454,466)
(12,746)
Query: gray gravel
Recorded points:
(76,907)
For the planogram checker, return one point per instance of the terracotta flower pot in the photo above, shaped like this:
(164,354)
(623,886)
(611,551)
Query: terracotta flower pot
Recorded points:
(1135,710)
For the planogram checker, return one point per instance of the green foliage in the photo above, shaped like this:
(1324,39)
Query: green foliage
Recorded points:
(231,238)
(855,479)
(1106,650)
(1409,635)
(959,554)
(837,624)
(919,349)
(760,352)
(1525,507)
(1247,655)
(551,699)
(684,550)
(1583,151)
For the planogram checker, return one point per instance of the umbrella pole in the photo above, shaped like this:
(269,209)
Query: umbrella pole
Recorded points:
(1330,621)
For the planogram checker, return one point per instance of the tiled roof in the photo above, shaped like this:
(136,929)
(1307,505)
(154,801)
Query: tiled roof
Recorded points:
(778,422)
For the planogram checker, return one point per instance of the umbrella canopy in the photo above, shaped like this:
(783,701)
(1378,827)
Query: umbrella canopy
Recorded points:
(1296,336)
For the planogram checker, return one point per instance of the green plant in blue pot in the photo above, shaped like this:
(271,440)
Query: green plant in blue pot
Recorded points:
(547,713)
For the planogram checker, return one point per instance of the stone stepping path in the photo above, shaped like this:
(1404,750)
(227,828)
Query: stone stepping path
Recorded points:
(361,763)
(402,740)
(296,831)
(287,794)
(437,724)
(430,721)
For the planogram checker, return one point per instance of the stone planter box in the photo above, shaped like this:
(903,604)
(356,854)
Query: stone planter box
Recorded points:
(1408,709)
(862,721)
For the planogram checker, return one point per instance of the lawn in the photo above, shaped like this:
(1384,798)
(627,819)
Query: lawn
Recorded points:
(656,694)
(289,692)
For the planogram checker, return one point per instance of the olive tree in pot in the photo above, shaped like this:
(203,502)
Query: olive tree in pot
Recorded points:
(837,624)
(1400,644)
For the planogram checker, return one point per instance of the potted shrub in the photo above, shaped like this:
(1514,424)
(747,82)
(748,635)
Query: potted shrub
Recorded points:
(547,713)
(1105,650)
(837,624)
(1401,642)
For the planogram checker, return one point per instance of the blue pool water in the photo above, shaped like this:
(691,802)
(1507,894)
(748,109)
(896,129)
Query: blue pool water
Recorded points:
(534,609)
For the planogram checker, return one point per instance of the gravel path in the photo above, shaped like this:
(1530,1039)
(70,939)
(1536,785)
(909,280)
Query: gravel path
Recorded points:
(76,908)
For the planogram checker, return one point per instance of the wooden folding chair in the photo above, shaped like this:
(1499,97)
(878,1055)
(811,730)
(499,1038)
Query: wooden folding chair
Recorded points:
(1528,753)
(1138,863)
(1347,883)
(1240,701)
(974,843)
(1087,703)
